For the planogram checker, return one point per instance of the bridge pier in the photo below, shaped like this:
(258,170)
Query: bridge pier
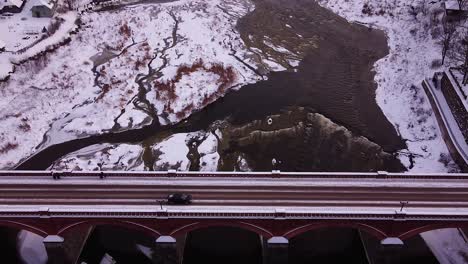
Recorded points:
(166,251)
(276,251)
(55,249)
(390,250)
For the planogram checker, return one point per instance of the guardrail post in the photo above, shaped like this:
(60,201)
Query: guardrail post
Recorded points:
(275,173)
(54,246)
(162,214)
(165,251)
(171,173)
(44,212)
(280,214)
(382,174)
(276,251)
(399,216)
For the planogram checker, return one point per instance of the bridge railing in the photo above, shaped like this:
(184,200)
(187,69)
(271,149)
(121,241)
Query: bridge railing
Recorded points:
(253,175)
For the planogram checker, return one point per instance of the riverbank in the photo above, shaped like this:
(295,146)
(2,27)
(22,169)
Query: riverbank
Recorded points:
(414,55)
(339,128)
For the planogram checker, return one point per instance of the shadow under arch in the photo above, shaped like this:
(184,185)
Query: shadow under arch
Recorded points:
(237,224)
(21,226)
(322,225)
(431,227)
(214,243)
(125,224)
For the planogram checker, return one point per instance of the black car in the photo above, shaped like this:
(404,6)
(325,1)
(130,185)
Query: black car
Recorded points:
(179,198)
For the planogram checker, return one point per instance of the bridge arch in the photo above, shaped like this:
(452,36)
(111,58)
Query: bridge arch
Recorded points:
(22,226)
(431,227)
(238,224)
(315,226)
(120,223)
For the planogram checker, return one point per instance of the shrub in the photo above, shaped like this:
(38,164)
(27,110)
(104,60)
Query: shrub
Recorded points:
(9,146)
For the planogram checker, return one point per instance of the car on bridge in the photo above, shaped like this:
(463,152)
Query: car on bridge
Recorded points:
(179,199)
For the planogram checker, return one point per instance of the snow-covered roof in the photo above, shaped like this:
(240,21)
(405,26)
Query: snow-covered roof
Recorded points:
(453,5)
(17,3)
(47,3)
(2,44)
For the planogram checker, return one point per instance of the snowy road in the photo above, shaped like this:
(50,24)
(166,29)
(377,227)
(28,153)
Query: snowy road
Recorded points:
(361,195)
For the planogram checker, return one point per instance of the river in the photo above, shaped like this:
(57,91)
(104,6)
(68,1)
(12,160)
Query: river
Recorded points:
(320,116)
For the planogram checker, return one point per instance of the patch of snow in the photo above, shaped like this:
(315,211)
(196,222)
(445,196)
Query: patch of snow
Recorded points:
(5,66)
(107,259)
(171,153)
(242,164)
(447,245)
(189,93)
(394,241)
(147,251)
(13,28)
(102,157)
(209,157)
(62,33)
(31,248)
(454,5)
(17,3)
(47,3)
(278,240)
(165,239)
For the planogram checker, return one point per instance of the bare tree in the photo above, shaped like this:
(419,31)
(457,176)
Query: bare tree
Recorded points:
(460,55)
(448,34)
(424,8)
(462,4)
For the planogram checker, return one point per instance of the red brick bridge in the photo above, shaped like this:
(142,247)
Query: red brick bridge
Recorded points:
(277,206)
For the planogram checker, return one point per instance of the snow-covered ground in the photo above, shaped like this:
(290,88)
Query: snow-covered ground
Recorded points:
(449,246)
(449,120)
(24,36)
(414,54)
(103,157)
(31,248)
(170,153)
(60,96)
(122,69)
(22,29)
(209,156)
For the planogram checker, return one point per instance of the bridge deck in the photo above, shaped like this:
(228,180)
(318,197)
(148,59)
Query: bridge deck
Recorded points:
(278,195)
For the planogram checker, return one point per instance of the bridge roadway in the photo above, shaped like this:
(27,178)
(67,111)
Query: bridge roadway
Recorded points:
(318,195)
(277,206)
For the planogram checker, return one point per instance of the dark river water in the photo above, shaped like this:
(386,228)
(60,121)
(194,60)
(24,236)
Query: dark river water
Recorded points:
(325,114)
(216,245)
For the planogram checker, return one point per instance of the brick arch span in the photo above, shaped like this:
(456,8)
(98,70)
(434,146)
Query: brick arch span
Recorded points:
(237,224)
(120,223)
(431,227)
(23,226)
(377,233)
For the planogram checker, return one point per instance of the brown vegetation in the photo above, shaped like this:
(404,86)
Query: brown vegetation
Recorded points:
(9,146)
(165,90)
(24,126)
(125,30)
